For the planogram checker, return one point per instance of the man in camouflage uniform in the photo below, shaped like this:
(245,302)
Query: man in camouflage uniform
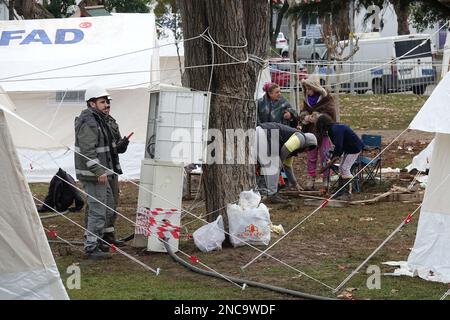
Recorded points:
(96,162)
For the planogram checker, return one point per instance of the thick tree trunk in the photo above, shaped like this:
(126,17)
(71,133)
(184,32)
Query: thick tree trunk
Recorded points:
(31,10)
(402,10)
(231,23)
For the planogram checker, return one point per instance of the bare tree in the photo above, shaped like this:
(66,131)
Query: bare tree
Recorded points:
(11,9)
(281,12)
(30,9)
(336,49)
(230,23)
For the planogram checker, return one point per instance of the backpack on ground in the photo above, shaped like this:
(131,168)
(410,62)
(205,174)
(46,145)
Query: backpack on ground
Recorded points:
(62,194)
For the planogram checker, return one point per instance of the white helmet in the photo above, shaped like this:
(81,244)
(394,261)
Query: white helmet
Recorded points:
(95,92)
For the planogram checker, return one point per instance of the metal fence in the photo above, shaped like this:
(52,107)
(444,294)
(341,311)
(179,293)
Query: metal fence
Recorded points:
(378,77)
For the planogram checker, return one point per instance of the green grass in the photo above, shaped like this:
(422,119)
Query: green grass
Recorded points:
(378,112)
(328,246)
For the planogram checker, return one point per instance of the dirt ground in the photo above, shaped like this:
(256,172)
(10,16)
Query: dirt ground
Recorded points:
(328,245)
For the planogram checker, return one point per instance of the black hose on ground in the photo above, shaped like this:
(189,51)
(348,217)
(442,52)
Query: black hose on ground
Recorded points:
(75,243)
(54,215)
(242,281)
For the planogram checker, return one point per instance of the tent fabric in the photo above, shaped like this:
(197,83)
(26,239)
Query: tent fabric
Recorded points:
(5,100)
(128,107)
(41,166)
(421,162)
(27,267)
(434,116)
(61,54)
(430,254)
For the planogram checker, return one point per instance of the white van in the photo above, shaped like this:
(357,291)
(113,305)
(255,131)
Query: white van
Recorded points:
(384,65)
(307,49)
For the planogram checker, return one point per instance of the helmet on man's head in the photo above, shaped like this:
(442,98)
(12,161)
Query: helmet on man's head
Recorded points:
(95,92)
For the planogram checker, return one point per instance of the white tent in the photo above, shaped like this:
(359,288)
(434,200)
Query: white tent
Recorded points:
(421,162)
(27,267)
(46,66)
(170,59)
(430,257)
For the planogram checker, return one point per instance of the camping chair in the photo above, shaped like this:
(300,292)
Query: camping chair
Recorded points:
(372,166)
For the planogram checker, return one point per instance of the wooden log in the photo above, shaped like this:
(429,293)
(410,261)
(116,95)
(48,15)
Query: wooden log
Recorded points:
(330,204)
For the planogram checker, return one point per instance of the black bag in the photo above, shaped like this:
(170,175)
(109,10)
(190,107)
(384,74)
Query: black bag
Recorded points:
(61,194)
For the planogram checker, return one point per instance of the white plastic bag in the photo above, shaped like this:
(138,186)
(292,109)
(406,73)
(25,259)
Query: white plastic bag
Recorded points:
(249,199)
(251,225)
(210,236)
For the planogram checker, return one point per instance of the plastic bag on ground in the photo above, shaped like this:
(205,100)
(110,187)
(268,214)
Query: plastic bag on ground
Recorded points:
(210,236)
(249,223)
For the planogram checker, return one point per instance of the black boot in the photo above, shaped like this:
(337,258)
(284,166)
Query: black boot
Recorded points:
(103,246)
(111,238)
(344,194)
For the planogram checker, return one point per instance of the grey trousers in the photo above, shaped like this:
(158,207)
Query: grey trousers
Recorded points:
(98,212)
(114,183)
(270,163)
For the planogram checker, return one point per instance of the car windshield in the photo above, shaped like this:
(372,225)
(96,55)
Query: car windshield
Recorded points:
(318,40)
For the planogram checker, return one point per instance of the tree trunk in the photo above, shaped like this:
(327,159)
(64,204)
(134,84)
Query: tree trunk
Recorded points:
(402,10)
(230,23)
(280,16)
(31,10)
(11,9)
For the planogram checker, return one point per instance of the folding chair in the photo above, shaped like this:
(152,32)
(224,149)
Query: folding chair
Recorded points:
(370,158)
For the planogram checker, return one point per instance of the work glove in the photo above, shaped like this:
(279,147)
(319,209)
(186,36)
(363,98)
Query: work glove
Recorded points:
(122,145)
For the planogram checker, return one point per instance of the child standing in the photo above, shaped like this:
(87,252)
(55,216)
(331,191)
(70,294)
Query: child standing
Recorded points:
(347,146)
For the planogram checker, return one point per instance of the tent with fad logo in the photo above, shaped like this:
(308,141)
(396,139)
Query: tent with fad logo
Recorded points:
(27,267)
(48,64)
(430,256)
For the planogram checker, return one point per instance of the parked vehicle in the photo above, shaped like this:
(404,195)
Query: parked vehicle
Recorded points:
(307,49)
(280,72)
(384,65)
(281,41)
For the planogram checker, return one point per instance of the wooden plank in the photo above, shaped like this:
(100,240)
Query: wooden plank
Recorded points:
(331,203)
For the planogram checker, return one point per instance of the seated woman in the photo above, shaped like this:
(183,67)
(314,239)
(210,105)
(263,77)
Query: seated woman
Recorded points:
(277,144)
(273,107)
(347,146)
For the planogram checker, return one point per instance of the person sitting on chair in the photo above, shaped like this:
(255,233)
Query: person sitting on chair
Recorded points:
(347,147)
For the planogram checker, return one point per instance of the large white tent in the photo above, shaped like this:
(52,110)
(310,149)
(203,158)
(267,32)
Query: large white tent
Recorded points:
(27,267)
(46,66)
(430,256)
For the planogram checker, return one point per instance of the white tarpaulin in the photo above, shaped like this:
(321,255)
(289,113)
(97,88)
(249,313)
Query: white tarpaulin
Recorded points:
(5,100)
(72,54)
(421,162)
(27,267)
(46,66)
(434,116)
(430,256)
